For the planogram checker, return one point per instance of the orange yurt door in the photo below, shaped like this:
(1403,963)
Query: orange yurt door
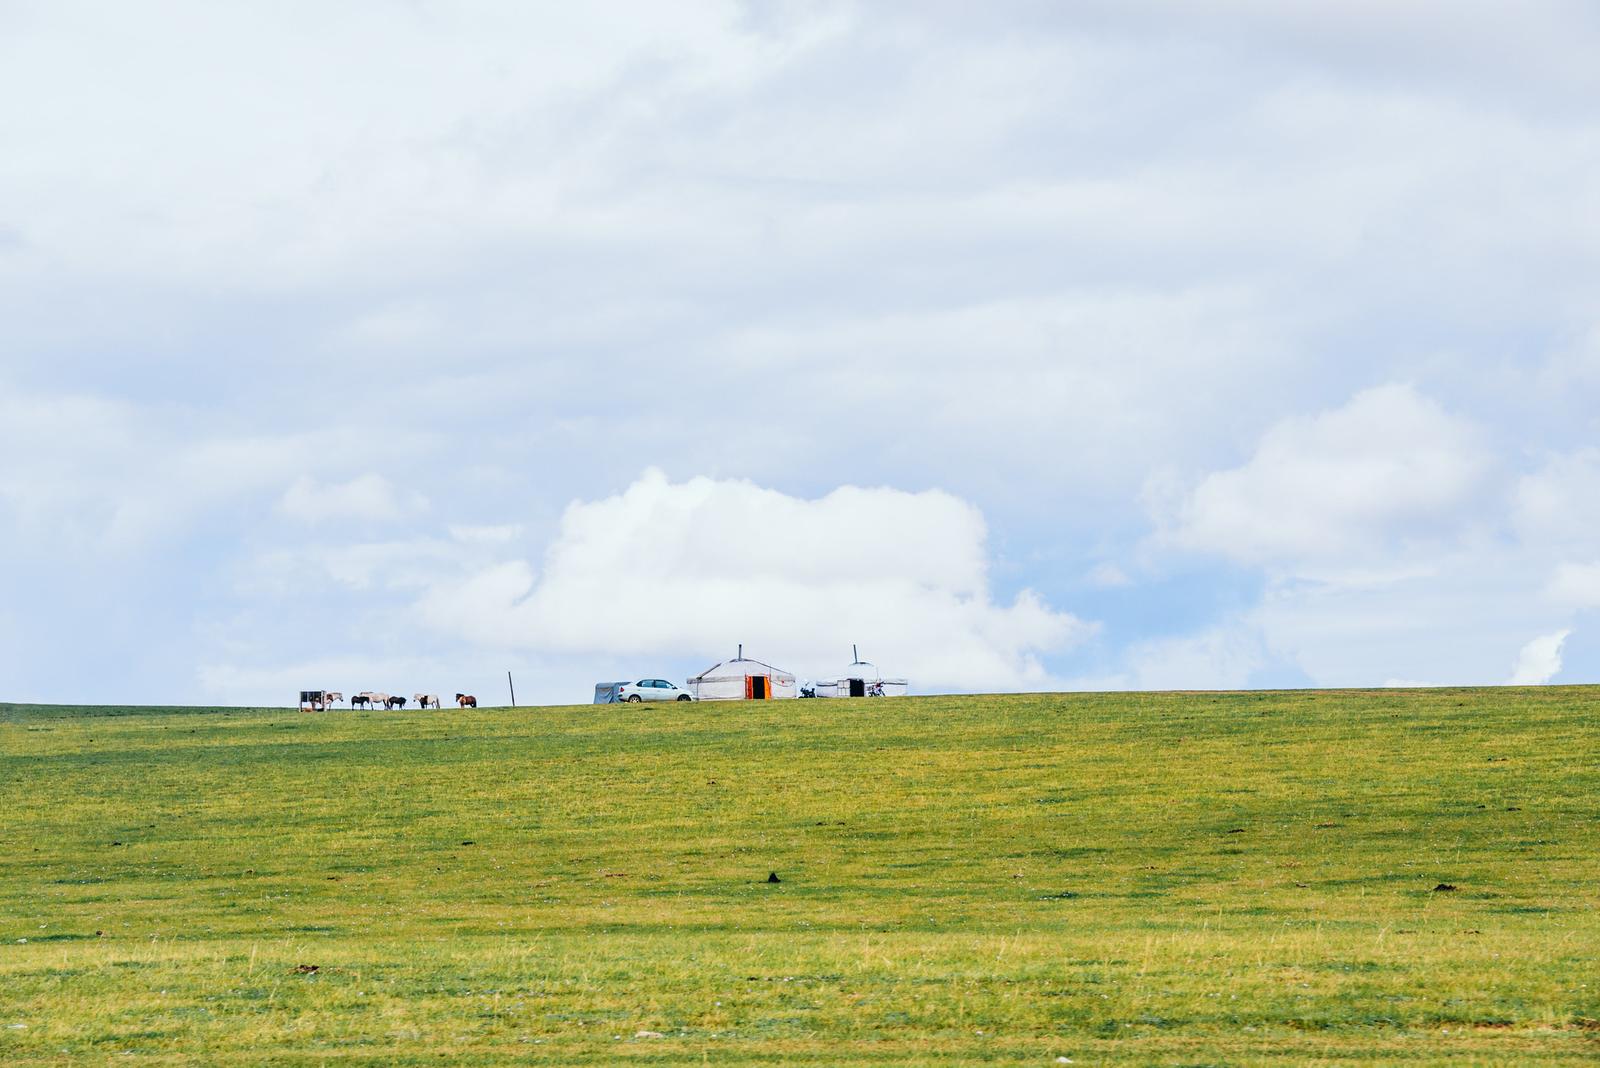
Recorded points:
(757,687)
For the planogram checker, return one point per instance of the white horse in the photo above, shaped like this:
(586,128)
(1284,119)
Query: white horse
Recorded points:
(426,700)
(332,697)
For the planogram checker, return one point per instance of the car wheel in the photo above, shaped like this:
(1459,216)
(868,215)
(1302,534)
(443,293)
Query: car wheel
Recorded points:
(683,697)
(634,698)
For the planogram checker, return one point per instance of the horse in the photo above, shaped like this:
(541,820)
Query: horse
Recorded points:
(363,698)
(331,697)
(394,702)
(426,700)
(378,700)
(466,700)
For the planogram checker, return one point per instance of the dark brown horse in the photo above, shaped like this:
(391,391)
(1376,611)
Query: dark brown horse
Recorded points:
(466,700)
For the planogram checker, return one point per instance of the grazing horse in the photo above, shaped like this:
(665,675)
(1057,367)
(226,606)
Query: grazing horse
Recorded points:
(466,700)
(395,702)
(426,700)
(331,698)
(379,700)
(363,698)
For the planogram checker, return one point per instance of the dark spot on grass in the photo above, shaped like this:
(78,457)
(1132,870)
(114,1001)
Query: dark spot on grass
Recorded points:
(307,969)
(468,841)
(1444,888)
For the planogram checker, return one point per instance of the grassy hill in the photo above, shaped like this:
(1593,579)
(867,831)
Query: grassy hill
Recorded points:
(1258,878)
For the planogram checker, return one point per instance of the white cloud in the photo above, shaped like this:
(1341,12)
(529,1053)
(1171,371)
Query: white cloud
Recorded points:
(694,568)
(1449,622)
(1221,658)
(489,534)
(365,497)
(1378,531)
(111,475)
(1576,585)
(1540,660)
(1107,575)
(1558,504)
(1357,482)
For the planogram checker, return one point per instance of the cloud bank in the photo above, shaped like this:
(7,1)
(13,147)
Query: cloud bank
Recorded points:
(696,567)
(1540,660)
(1263,335)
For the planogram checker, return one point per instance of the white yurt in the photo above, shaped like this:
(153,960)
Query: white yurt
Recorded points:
(742,679)
(861,679)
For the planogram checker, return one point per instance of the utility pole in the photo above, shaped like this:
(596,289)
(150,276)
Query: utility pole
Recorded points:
(513,689)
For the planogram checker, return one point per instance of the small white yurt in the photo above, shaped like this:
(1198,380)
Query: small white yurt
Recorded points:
(861,679)
(742,679)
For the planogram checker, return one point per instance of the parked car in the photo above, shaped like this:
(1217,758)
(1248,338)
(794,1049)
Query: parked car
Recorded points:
(651,690)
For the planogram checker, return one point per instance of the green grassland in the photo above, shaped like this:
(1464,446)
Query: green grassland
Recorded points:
(1167,879)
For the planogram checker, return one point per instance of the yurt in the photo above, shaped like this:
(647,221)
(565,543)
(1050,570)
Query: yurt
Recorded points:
(861,679)
(742,679)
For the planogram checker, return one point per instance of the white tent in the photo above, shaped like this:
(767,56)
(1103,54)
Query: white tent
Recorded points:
(605,693)
(861,679)
(742,679)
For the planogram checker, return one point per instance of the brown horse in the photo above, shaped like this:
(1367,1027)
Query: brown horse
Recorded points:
(466,700)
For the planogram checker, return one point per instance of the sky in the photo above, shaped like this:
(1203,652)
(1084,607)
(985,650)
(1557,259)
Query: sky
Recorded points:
(395,346)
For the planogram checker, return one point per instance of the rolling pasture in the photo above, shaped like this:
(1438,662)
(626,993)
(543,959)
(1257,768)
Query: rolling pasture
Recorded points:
(1407,877)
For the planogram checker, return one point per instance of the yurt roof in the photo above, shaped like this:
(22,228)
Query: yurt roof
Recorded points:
(861,669)
(738,663)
